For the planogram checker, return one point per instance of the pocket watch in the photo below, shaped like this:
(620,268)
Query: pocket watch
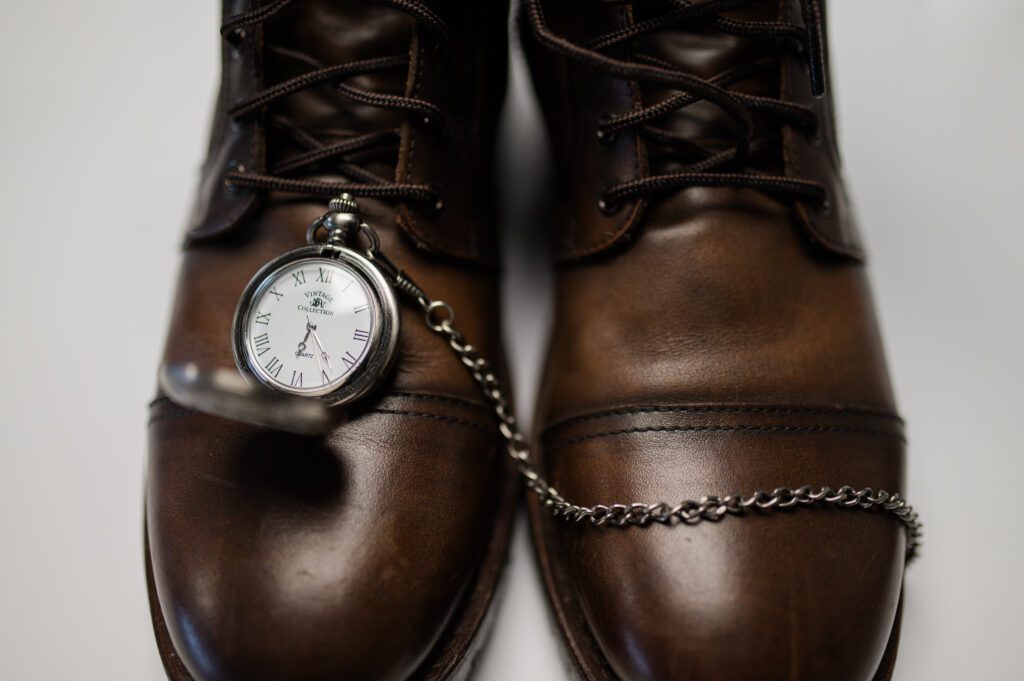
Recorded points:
(320,321)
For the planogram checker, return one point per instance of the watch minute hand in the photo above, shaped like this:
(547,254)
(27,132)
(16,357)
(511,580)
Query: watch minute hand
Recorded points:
(323,351)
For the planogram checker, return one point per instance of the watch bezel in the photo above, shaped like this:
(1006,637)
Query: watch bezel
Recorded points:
(382,345)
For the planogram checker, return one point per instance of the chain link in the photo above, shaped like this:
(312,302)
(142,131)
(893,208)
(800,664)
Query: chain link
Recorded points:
(440,318)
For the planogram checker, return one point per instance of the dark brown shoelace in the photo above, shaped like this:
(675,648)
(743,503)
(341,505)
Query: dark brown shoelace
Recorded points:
(704,166)
(295,175)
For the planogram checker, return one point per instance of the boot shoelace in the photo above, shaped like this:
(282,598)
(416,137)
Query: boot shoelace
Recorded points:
(340,157)
(706,167)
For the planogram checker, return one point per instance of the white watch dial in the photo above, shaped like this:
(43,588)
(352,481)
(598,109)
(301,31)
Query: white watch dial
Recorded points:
(310,325)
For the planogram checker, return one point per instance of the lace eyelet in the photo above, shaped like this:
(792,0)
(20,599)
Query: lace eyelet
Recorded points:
(824,208)
(235,37)
(607,207)
(433,210)
(232,167)
(817,136)
(437,127)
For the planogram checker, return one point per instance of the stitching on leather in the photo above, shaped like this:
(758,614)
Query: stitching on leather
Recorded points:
(437,398)
(626,228)
(456,401)
(201,231)
(415,57)
(405,217)
(810,411)
(436,417)
(629,224)
(790,159)
(741,428)
(176,413)
(179,413)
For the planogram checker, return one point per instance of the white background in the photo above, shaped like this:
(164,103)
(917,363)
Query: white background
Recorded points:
(103,122)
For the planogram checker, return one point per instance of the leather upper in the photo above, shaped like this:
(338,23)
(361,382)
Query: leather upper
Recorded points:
(361,554)
(710,341)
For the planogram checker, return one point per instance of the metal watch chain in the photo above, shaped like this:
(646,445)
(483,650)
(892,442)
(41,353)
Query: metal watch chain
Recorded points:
(440,317)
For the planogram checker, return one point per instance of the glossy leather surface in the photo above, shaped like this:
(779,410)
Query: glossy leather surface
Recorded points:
(371,553)
(725,342)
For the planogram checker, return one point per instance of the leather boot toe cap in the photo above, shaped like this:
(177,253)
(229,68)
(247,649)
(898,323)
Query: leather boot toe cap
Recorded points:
(275,558)
(797,594)
(745,604)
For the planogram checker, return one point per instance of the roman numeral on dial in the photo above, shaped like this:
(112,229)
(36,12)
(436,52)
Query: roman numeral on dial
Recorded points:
(299,277)
(349,359)
(360,335)
(262,343)
(274,366)
(263,318)
(324,276)
(297,379)
(274,292)
(361,308)
(324,376)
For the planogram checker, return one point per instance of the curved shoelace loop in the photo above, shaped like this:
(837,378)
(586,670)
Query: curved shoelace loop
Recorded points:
(339,157)
(706,167)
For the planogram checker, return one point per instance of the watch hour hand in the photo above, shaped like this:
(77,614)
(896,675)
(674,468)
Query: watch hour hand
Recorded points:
(302,344)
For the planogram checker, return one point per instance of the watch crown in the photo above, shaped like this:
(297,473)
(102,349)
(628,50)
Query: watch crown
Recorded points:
(344,204)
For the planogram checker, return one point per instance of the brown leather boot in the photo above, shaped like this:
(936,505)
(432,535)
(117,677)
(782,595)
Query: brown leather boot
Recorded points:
(371,552)
(714,335)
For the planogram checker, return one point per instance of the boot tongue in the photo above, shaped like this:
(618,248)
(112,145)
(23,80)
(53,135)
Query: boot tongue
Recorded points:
(696,47)
(317,33)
